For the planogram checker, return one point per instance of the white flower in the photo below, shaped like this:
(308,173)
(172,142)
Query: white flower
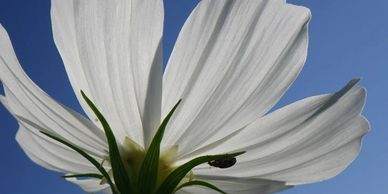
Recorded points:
(232,62)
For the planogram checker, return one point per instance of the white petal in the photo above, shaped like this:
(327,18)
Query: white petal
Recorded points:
(52,155)
(239,185)
(232,62)
(28,101)
(311,140)
(91,185)
(112,51)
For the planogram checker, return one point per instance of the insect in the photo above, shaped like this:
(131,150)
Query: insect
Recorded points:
(225,163)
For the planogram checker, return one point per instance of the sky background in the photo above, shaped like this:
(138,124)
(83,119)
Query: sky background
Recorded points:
(348,39)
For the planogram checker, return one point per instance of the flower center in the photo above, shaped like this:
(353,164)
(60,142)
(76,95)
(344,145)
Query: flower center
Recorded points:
(139,171)
(133,156)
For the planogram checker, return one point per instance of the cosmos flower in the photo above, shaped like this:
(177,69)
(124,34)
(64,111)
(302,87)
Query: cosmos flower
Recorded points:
(232,62)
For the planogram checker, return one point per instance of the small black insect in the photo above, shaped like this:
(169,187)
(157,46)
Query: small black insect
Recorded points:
(226,163)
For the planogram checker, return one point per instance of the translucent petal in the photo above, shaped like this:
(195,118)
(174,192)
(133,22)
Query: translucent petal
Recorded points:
(26,100)
(112,51)
(91,185)
(238,185)
(311,140)
(232,62)
(52,155)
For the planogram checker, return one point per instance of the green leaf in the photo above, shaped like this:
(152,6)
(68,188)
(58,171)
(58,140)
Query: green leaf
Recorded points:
(149,170)
(122,179)
(200,183)
(175,177)
(86,156)
(86,175)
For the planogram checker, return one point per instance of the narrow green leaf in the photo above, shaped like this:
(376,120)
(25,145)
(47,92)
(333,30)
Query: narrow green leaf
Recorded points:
(86,156)
(149,170)
(122,179)
(86,175)
(173,179)
(200,183)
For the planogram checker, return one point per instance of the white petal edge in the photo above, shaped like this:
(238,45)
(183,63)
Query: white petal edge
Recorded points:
(51,155)
(25,99)
(311,140)
(238,185)
(232,61)
(112,51)
(91,185)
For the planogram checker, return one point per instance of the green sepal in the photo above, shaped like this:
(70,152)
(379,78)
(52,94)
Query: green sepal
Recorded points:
(86,175)
(175,177)
(199,183)
(122,179)
(88,157)
(149,169)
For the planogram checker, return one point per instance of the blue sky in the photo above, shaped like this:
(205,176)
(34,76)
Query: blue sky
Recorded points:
(348,39)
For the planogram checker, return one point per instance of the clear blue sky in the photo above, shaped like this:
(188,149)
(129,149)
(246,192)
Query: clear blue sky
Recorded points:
(348,39)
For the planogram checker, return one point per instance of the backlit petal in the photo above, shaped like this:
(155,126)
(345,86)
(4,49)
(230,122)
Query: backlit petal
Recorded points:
(232,62)
(112,51)
(238,185)
(52,155)
(91,185)
(311,140)
(26,100)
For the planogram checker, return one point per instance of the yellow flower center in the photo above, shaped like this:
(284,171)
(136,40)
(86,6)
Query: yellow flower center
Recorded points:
(133,155)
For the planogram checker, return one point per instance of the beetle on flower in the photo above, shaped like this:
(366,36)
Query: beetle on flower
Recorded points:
(203,125)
